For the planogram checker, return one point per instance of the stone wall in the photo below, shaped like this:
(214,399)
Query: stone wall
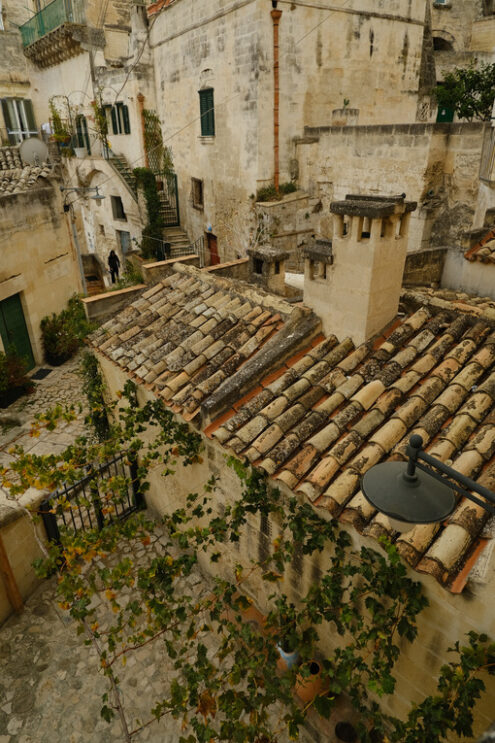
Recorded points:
(445,621)
(473,277)
(37,256)
(436,165)
(103,306)
(425,268)
(365,57)
(21,541)
(290,225)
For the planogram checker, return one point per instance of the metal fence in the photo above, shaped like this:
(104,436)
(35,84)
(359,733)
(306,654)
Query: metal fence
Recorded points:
(107,493)
(52,16)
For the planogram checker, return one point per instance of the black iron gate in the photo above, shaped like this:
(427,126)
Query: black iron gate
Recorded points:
(170,201)
(109,492)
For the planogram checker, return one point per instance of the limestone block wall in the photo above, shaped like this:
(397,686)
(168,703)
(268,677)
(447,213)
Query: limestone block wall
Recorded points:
(436,165)
(22,540)
(290,225)
(446,620)
(324,62)
(474,277)
(37,256)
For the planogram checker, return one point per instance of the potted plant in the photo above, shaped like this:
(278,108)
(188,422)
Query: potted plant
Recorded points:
(288,644)
(308,681)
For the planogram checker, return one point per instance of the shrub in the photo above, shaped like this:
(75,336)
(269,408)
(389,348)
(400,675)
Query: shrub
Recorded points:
(131,276)
(269,193)
(62,334)
(13,379)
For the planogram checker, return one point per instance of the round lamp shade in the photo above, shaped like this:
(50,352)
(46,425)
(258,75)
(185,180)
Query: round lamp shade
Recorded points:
(418,500)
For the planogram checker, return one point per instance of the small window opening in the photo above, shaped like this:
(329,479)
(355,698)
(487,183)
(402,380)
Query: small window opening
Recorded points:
(277,267)
(258,266)
(197,193)
(118,208)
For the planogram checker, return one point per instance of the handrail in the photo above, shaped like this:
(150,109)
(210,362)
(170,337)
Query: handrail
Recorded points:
(52,16)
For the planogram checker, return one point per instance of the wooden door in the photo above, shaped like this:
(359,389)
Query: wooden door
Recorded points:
(213,249)
(13,328)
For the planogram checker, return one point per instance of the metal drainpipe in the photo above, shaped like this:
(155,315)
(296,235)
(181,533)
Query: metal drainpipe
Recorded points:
(276,16)
(140,99)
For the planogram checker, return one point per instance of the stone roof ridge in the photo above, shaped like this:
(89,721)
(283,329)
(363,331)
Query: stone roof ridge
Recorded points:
(241,289)
(450,301)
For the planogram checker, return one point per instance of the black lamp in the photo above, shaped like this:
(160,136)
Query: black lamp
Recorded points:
(399,491)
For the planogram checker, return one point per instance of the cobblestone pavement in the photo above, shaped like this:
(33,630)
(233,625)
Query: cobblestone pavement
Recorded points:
(50,686)
(62,386)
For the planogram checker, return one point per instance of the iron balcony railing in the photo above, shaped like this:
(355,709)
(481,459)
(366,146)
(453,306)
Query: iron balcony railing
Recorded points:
(52,16)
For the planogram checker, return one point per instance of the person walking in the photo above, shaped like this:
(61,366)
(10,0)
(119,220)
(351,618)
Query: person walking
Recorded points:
(113,265)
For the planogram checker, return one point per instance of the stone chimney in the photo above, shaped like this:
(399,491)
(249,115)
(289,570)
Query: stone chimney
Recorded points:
(354,282)
(267,268)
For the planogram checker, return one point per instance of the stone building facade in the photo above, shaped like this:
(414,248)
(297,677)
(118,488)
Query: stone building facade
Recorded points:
(38,257)
(334,65)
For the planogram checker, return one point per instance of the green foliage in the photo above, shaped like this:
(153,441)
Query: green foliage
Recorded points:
(233,691)
(269,193)
(469,91)
(61,129)
(130,277)
(153,232)
(159,155)
(13,377)
(100,120)
(94,390)
(63,333)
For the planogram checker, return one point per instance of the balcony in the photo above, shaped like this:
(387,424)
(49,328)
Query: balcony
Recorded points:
(56,33)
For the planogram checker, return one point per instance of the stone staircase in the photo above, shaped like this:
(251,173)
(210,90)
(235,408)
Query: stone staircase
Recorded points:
(92,275)
(179,241)
(167,212)
(121,166)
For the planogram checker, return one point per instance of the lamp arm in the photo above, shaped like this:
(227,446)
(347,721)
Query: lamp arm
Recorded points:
(483,504)
(458,477)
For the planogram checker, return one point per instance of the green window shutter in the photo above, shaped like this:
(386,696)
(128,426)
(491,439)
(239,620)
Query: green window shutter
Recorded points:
(207,111)
(79,132)
(125,117)
(31,121)
(115,121)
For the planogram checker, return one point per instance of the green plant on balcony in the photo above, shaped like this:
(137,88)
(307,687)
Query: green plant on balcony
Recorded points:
(100,122)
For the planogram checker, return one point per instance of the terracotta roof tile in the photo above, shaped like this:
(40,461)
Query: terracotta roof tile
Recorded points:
(434,374)
(188,334)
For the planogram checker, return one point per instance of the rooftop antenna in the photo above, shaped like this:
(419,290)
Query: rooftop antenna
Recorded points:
(33,151)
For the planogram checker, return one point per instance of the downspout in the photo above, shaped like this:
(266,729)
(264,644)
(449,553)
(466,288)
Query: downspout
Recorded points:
(276,16)
(140,99)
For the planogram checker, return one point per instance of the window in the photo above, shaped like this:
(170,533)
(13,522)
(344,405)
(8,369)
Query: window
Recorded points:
(197,193)
(488,7)
(118,208)
(118,119)
(207,110)
(82,133)
(19,119)
(124,239)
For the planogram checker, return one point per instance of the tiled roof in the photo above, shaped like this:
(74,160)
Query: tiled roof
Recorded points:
(15,176)
(321,422)
(197,342)
(484,250)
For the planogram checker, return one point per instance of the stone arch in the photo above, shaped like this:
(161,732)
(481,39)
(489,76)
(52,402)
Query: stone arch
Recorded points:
(443,41)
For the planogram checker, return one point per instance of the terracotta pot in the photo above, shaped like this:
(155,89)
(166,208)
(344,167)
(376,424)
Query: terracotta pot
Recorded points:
(308,687)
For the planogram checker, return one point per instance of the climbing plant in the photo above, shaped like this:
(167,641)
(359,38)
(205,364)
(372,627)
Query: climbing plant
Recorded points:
(153,232)
(223,682)
(159,155)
